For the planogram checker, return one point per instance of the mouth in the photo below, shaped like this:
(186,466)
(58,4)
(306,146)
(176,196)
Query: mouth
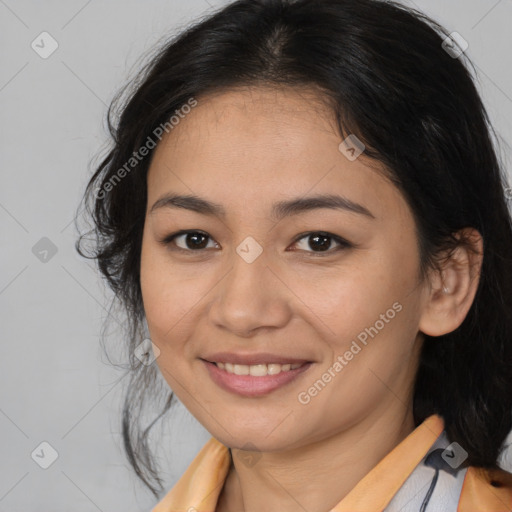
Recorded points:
(255,379)
(257,370)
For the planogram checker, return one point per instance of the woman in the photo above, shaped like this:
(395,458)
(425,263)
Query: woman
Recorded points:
(304,208)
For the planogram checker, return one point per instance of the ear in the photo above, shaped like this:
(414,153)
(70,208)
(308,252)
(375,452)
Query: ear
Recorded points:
(452,288)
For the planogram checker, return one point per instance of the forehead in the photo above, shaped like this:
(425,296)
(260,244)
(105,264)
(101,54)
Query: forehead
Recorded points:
(261,117)
(248,145)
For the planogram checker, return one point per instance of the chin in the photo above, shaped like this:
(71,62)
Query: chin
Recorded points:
(254,440)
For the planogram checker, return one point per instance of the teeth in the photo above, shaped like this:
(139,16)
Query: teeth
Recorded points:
(257,370)
(241,369)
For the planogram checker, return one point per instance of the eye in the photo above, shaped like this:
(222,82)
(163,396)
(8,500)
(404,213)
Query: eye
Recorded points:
(320,242)
(188,240)
(316,242)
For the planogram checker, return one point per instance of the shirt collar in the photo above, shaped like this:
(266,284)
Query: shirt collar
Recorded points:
(200,485)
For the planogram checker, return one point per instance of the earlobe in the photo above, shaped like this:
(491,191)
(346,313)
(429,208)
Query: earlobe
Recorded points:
(453,287)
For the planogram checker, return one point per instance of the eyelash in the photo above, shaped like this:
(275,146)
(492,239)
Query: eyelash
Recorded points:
(343,244)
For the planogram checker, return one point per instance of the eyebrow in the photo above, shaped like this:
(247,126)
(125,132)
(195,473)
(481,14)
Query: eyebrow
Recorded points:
(279,210)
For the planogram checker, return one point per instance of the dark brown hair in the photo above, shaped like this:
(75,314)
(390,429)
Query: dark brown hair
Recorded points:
(384,69)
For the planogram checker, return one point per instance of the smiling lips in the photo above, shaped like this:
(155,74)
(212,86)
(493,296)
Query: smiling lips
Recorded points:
(257,370)
(253,375)
(257,365)
(252,359)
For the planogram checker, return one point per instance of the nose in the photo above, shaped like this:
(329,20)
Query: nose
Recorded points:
(249,298)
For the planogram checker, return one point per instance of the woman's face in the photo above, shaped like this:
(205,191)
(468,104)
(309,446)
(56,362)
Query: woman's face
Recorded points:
(274,276)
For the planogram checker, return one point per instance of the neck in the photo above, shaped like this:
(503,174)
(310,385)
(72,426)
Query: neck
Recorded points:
(317,476)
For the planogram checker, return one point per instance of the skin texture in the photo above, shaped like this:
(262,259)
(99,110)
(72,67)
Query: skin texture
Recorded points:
(246,149)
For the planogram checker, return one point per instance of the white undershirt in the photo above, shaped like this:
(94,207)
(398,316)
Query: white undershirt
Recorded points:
(446,494)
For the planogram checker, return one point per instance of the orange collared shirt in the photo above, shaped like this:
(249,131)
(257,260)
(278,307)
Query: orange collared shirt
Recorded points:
(199,488)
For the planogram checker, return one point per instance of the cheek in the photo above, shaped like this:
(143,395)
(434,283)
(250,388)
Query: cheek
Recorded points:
(167,297)
(172,298)
(367,309)
(350,297)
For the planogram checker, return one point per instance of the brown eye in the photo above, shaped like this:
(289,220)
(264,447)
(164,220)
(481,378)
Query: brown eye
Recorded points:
(318,242)
(188,240)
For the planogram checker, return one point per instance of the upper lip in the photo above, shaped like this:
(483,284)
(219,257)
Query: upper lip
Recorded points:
(252,359)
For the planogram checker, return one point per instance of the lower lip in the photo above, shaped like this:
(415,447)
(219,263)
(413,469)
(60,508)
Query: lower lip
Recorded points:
(248,385)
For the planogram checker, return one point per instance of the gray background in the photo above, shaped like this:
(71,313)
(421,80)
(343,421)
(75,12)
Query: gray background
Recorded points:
(55,385)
